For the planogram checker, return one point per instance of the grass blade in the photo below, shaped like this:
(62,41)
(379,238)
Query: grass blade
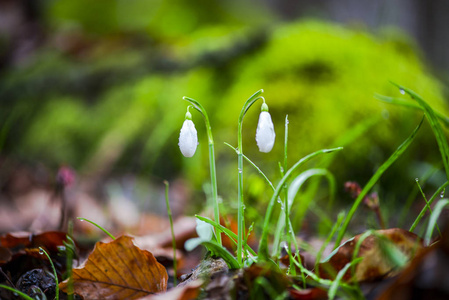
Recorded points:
(263,245)
(232,236)
(19,293)
(408,104)
(433,219)
(293,189)
(421,214)
(219,251)
(98,226)
(373,180)
(335,284)
(434,124)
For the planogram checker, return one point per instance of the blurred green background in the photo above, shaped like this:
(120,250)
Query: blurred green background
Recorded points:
(98,85)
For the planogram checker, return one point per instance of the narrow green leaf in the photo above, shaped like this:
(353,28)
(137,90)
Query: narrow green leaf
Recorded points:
(435,125)
(373,180)
(220,251)
(226,231)
(293,189)
(433,219)
(421,214)
(100,227)
(21,294)
(263,245)
(336,283)
(340,217)
(405,103)
(392,252)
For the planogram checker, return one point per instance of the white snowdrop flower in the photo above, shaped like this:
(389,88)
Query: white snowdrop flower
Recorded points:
(188,137)
(265,131)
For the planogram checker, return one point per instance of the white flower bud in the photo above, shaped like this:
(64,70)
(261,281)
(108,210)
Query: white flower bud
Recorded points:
(265,135)
(188,138)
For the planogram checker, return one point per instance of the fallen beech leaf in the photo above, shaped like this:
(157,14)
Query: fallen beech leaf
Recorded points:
(186,292)
(118,270)
(375,264)
(426,277)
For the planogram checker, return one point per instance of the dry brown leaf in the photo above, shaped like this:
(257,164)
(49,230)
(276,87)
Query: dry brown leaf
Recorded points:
(186,292)
(374,265)
(49,239)
(118,270)
(426,277)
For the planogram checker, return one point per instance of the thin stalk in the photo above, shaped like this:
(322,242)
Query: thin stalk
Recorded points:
(232,236)
(427,202)
(421,214)
(263,245)
(241,204)
(213,173)
(41,250)
(373,180)
(173,240)
(69,260)
(254,165)
(289,231)
(95,224)
(337,224)
(21,294)
(412,196)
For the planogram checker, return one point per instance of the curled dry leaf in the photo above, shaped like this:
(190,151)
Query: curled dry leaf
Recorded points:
(118,270)
(50,240)
(375,264)
(186,292)
(426,277)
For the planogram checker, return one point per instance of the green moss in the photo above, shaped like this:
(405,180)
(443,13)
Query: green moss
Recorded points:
(322,75)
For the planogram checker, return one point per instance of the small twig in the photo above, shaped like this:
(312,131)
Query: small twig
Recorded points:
(7,277)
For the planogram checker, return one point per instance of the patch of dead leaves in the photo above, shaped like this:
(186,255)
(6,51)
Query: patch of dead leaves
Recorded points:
(375,265)
(118,270)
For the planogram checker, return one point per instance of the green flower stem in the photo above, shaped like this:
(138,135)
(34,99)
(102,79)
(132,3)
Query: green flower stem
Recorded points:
(70,250)
(240,215)
(290,234)
(254,165)
(173,240)
(263,244)
(213,173)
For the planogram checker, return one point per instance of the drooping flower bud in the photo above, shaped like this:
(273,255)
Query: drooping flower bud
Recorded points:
(265,135)
(188,138)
